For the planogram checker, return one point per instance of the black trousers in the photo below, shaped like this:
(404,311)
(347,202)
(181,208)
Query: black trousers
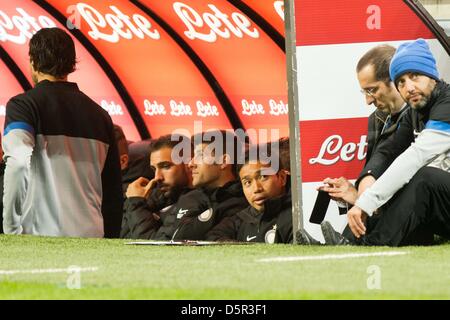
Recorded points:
(415,213)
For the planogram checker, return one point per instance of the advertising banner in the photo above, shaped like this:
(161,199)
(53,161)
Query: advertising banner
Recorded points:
(248,65)
(168,89)
(271,10)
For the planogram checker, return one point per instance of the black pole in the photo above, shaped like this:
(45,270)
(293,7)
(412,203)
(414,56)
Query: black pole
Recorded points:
(15,70)
(277,37)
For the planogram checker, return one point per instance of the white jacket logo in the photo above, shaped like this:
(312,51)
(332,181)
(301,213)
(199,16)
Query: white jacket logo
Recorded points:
(181,213)
(271,234)
(206,215)
(333,149)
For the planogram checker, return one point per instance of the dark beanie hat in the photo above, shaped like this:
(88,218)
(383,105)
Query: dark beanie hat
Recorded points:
(413,57)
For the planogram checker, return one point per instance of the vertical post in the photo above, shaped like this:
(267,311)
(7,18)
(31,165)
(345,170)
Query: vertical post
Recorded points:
(294,118)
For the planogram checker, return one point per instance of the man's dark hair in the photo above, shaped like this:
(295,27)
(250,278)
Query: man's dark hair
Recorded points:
(166,141)
(52,52)
(231,145)
(285,155)
(380,57)
(262,153)
(122,143)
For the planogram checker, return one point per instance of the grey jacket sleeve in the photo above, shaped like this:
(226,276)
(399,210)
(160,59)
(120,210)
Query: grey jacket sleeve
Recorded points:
(18,146)
(429,145)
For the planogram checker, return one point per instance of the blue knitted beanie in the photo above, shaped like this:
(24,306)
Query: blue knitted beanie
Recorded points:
(413,57)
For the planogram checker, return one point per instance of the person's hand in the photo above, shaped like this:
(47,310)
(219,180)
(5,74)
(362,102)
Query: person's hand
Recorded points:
(356,221)
(141,187)
(365,183)
(340,190)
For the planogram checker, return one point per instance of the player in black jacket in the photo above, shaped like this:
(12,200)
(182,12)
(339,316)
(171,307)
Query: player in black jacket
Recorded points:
(149,202)
(201,209)
(218,195)
(269,217)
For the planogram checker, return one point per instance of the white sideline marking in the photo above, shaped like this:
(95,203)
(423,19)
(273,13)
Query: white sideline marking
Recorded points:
(38,271)
(333,256)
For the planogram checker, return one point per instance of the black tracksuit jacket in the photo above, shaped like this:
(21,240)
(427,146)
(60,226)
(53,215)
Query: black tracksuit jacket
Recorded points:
(272,225)
(201,209)
(149,218)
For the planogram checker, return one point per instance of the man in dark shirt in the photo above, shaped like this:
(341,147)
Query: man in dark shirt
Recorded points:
(217,193)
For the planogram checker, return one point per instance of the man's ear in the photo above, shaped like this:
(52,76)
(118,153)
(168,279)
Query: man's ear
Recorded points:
(226,160)
(124,161)
(282,175)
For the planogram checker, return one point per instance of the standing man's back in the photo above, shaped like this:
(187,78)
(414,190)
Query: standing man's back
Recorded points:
(62,173)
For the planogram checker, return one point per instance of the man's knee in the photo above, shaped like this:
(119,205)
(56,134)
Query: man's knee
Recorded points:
(431,177)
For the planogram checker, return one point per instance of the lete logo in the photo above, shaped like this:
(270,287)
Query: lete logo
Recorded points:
(279,8)
(123,26)
(333,149)
(112,108)
(20,28)
(219,23)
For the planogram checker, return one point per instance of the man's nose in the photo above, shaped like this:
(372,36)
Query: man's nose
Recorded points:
(257,186)
(191,163)
(409,85)
(158,175)
(369,99)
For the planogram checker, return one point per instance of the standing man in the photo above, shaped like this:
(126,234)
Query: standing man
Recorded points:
(412,169)
(62,174)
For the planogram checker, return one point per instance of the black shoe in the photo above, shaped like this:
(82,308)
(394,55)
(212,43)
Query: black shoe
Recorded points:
(332,237)
(303,237)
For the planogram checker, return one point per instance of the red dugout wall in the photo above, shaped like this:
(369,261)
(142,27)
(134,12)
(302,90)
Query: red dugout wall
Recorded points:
(157,66)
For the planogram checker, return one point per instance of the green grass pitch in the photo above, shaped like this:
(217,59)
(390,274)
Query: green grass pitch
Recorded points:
(216,272)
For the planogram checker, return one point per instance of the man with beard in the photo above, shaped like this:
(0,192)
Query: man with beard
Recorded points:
(411,170)
(148,201)
(62,174)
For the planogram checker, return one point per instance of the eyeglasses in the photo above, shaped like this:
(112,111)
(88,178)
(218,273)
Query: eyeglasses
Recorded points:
(369,92)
